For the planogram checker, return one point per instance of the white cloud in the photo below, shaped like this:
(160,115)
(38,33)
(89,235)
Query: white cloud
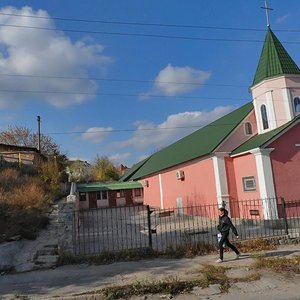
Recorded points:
(173,128)
(96,135)
(119,157)
(172,81)
(281,19)
(44,52)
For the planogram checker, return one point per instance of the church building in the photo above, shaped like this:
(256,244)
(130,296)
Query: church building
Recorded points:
(250,153)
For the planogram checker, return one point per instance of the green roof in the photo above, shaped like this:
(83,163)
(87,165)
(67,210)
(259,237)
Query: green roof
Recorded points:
(261,140)
(133,170)
(113,186)
(201,142)
(274,60)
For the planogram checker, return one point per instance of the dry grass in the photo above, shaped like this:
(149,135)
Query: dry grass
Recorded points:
(256,245)
(23,204)
(279,264)
(172,286)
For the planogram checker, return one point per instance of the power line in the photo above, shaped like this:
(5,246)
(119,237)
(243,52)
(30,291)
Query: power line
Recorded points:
(146,24)
(138,34)
(133,23)
(120,80)
(112,94)
(148,129)
(143,35)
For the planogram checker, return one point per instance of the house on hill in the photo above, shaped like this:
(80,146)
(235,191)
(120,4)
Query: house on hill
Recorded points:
(251,153)
(20,154)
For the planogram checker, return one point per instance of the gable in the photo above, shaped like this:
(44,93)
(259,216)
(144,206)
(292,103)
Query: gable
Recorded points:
(201,142)
(263,140)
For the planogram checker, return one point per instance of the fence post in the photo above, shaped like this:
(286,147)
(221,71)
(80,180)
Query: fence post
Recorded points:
(149,226)
(285,216)
(66,227)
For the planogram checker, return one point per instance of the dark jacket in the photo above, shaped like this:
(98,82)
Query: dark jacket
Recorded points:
(225,224)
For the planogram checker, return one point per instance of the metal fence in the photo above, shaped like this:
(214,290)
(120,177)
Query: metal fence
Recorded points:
(138,227)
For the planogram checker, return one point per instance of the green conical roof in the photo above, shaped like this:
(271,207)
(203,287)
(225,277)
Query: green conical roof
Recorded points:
(274,60)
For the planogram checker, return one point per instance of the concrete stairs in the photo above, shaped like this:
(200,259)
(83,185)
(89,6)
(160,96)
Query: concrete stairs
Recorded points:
(46,258)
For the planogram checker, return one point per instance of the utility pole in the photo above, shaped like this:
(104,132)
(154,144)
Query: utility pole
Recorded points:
(39,133)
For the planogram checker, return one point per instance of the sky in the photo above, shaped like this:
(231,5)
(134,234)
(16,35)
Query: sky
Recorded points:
(124,79)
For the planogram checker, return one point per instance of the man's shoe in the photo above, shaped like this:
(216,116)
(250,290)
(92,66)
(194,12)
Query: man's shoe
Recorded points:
(219,260)
(237,256)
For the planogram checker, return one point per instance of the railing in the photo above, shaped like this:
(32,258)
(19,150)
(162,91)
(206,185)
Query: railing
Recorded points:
(137,227)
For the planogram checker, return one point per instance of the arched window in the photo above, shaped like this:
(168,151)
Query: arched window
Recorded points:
(297,104)
(248,128)
(264,116)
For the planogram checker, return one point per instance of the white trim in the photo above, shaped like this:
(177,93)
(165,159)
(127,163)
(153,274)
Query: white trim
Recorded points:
(258,117)
(270,111)
(297,145)
(161,192)
(221,178)
(288,103)
(266,182)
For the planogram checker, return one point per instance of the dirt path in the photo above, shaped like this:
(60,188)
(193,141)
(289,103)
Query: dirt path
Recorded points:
(67,281)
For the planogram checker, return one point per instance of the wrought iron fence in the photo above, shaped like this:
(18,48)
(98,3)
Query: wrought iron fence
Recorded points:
(137,227)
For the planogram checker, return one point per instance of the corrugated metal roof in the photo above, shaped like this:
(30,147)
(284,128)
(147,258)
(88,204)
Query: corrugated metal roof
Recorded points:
(197,144)
(262,140)
(113,186)
(274,60)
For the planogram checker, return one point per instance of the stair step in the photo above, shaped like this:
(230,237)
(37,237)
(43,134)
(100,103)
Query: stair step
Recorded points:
(46,259)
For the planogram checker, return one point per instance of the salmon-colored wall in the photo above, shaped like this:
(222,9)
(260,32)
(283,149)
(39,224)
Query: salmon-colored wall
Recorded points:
(285,160)
(237,168)
(243,166)
(239,135)
(197,188)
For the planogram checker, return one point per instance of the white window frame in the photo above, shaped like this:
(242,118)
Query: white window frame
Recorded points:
(245,128)
(246,180)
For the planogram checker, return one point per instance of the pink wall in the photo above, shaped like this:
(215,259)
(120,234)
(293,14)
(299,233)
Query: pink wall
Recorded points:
(237,168)
(239,136)
(285,161)
(243,166)
(151,192)
(197,188)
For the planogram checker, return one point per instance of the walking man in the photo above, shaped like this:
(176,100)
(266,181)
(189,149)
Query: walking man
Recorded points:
(224,227)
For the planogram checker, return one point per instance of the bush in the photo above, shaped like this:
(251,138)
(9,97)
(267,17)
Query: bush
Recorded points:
(24,203)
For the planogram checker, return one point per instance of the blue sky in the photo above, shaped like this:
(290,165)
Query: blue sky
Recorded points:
(107,82)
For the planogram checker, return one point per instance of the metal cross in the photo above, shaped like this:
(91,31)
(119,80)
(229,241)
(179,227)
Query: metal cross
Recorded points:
(267,8)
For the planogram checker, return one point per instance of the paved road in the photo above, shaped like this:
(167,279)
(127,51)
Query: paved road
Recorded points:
(67,281)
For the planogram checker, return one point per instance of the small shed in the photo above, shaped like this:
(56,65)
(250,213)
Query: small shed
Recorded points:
(111,194)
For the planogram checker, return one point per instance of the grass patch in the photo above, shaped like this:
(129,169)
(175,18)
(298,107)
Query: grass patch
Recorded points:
(279,264)
(107,257)
(256,245)
(216,275)
(172,286)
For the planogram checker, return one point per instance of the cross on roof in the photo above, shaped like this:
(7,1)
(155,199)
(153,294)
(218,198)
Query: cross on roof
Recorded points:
(267,8)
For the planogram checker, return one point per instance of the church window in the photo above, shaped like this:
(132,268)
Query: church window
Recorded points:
(297,104)
(248,128)
(264,117)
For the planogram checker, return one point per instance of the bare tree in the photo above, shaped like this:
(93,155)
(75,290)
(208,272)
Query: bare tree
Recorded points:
(23,136)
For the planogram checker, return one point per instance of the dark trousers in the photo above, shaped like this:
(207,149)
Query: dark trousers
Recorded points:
(224,239)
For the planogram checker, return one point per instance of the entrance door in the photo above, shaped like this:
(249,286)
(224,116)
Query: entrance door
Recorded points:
(92,200)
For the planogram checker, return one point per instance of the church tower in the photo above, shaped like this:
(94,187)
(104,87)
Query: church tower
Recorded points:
(276,86)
